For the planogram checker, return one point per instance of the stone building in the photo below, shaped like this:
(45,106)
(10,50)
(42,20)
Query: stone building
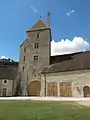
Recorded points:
(8,73)
(35,53)
(67,75)
(46,75)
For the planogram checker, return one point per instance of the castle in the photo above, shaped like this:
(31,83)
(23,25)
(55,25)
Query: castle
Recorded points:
(46,75)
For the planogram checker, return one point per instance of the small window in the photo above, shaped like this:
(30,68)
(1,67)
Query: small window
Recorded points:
(5,81)
(37,35)
(35,58)
(23,68)
(24,58)
(36,45)
(34,75)
(24,49)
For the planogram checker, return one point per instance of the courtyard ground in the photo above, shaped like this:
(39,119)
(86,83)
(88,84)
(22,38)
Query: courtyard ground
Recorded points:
(44,110)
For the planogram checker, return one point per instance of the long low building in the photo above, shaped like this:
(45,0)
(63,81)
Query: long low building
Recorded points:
(68,77)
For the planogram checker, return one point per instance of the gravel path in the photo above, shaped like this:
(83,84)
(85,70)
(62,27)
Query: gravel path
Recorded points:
(84,103)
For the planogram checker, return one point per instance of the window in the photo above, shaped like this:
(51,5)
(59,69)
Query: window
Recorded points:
(34,72)
(23,68)
(4,92)
(5,81)
(36,45)
(37,35)
(24,49)
(24,58)
(34,75)
(35,58)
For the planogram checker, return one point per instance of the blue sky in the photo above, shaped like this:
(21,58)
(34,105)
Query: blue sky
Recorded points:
(17,16)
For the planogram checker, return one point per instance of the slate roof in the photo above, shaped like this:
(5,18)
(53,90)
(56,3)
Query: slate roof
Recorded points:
(68,62)
(8,70)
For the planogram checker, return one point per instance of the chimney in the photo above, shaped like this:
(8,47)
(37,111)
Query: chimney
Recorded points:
(48,19)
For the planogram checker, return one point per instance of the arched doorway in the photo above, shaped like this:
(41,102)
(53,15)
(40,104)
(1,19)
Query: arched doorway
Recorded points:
(34,88)
(86,91)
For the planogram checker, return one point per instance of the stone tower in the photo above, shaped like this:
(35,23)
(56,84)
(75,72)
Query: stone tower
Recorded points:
(35,53)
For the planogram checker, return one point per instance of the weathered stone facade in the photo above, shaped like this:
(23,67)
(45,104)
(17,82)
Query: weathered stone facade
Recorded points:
(45,75)
(6,89)
(34,54)
(78,79)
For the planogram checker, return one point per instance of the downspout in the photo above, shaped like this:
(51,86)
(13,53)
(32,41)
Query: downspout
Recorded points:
(13,88)
(45,85)
(26,93)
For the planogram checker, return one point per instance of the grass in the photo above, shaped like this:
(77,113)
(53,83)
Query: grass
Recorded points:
(36,110)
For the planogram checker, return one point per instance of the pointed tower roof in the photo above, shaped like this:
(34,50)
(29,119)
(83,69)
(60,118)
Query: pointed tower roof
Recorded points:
(39,25)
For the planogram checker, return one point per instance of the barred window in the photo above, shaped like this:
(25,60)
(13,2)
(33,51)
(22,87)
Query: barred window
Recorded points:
(35,58)
(36,45)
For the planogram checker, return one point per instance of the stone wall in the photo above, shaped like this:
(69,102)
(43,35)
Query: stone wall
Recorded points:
(9,87)
(78,80)
(32,69)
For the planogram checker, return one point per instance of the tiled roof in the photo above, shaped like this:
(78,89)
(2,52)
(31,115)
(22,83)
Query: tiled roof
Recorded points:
(8,70)
(69,62)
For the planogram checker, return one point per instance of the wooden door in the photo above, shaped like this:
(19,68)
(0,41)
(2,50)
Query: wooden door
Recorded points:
(34,88)
(86,91)
(4,92)
(52,89)
(65,89)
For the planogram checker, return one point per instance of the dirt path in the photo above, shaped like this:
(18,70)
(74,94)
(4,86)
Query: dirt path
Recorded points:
(82,104)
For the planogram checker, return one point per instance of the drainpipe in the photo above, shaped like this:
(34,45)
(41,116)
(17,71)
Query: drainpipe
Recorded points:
(45,84)
(26,93)
(13,88)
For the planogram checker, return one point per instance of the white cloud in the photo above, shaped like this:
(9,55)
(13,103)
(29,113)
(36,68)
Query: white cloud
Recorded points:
(70,12)
(33,9)
(67,46)
(3,57)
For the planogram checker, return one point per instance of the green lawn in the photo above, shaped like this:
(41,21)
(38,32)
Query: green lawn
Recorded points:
(36,110)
